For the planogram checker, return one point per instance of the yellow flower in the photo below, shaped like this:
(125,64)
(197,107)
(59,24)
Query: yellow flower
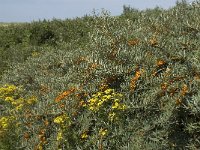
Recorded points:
(60,119)
(19,107)
(116,100)
(106,97)
(123,107)
(9,99)
(103,132)
(32,100)
(91,108)
(100,103)
(99,93)
(92,100)
(111,116)
(116,105)
(18,101)
(4,122)
(99,100)
(39,147)
(10,88)
(108,91)
(94,108)
(59,136)
(84,135)
(7,90)
(119,95)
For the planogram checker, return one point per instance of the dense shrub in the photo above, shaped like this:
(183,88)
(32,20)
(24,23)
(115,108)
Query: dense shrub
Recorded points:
(19,41)
(133,83)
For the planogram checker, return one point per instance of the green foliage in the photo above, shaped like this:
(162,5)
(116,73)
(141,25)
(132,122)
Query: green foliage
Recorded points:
(127,82)
(19,41)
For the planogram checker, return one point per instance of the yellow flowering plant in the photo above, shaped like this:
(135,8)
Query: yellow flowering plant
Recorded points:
(13,104)
(107,101)
(62,119)
(10,95)
(103,132)
(5,122)
(100,98)
(105,109)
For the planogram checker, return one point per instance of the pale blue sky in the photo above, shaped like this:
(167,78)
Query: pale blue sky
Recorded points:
(29,10)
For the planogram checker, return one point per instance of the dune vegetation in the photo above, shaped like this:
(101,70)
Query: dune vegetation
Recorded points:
(102,82)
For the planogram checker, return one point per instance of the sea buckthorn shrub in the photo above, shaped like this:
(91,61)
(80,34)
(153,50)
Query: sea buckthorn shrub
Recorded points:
(133,85)
(19,40)
(14,34)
